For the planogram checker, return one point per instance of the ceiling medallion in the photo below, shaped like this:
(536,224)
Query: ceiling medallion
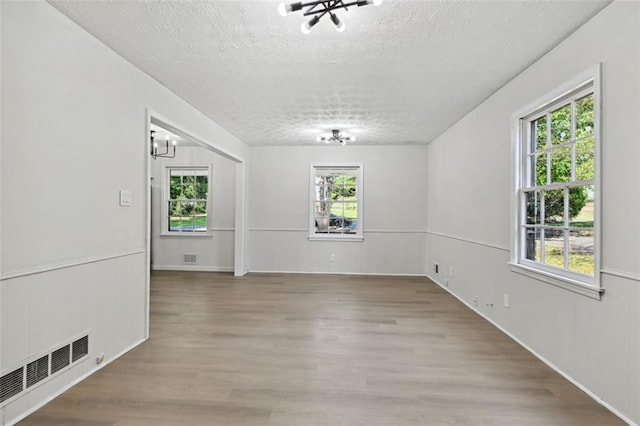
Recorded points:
(336,136)
(318,9)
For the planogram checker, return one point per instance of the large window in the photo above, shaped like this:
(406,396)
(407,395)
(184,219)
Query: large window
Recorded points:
(336,201)
(187,195)
(557,188)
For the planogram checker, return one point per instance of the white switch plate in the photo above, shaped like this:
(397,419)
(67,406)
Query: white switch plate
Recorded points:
(507,300)
(125,198)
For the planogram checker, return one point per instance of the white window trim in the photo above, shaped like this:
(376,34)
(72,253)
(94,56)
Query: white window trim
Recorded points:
(164,231)
(358,236)
(554,276)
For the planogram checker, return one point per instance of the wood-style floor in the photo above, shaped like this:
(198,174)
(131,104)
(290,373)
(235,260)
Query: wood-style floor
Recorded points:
(298,350)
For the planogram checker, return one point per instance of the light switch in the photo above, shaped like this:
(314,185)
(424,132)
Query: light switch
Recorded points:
(125,198)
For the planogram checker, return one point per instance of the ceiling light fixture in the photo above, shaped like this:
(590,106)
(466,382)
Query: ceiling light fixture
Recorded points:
(318,8)
(165,154)
(336,136)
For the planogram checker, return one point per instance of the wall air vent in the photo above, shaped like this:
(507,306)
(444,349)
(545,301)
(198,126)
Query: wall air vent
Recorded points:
(11,384)
(37,370)
(40,369)
(60,358)
(189,258)
(79,348)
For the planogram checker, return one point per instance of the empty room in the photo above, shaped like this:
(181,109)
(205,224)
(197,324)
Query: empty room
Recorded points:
(334,212)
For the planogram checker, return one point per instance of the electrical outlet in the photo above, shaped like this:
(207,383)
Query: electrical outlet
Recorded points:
(507,300)
(100,359)
(333,257)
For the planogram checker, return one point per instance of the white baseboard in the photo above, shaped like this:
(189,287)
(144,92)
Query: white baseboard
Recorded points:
(380,274)
(540,357)
(72,384)
(193,268)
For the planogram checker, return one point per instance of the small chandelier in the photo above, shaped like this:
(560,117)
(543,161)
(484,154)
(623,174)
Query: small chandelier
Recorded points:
(336,136)
(154,147)
(319,8)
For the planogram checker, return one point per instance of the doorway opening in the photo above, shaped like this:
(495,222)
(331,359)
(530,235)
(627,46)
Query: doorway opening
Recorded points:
(195,203)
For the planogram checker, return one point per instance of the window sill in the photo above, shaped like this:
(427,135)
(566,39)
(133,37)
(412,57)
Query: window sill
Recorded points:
(185,234)
(350,238)
(563,282)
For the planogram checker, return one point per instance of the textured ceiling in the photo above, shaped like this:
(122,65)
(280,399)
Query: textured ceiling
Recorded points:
(400,73)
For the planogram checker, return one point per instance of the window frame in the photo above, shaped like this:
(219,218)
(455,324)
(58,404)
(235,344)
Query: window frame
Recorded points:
(166,197)
(584,83)
(358,236)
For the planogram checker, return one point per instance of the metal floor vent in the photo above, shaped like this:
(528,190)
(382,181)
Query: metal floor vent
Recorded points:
(22,378)
(37,370)
(11,384)
(189,258)
(60,358)
(79,348)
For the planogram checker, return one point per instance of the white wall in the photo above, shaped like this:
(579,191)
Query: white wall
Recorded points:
(215,252)
(74,132)
(393,217)
(596,343)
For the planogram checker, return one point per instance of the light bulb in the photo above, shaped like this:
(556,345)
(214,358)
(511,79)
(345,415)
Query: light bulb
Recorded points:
(174,143)
(337,22)
(377,2)
(352,138)
(155,145)
(305,28)
(282,9)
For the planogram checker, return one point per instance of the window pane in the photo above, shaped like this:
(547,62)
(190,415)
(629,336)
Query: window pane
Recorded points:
(561,125)
(561,164)
(175,187)
(584,117)
(541,169)
(202,187)
(581,207)
(585,164)
(554,207)
(322,224)
(189,177)
(554,247)
(337,209)
(533,243)
(581,252)
(533,203)
(538,134)
(323,192)
(172,220)
(323,208)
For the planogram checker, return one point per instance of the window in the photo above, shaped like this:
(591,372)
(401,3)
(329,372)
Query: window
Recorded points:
(557,189)
(336,202)
(187,194)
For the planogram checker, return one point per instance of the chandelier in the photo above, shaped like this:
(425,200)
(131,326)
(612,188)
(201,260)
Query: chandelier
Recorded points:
(336,136)
(154,147)
(319,8)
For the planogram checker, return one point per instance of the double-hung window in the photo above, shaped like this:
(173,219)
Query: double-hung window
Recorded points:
(336,202)
(187,200)
(556,215)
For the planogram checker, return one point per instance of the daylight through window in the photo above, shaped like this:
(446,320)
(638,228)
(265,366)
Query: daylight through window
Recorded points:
(187,201)
(557,193)
(336,201)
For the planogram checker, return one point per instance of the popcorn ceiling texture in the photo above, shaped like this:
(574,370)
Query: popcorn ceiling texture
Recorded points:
(401,73)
